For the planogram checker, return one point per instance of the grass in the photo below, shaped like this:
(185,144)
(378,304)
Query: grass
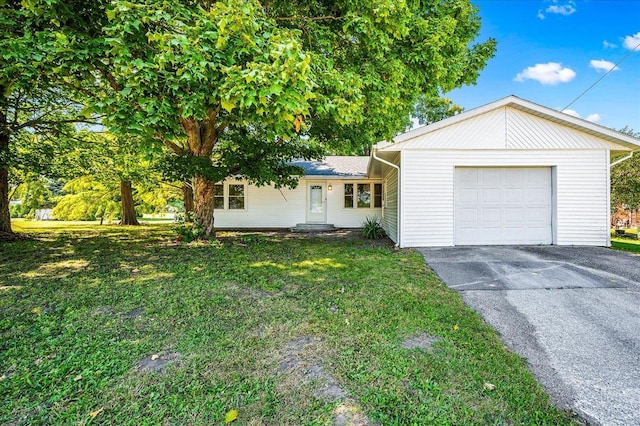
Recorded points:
(286,329)
(626,244)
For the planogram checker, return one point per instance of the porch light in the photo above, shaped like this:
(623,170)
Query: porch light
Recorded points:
(330,188)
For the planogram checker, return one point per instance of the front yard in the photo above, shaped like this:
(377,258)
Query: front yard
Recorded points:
(128,326)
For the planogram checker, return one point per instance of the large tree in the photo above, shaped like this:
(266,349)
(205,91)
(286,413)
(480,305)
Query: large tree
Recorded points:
(37,116)
(240,87)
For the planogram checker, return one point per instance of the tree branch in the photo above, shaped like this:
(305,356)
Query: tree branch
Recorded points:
(40,122)
(108,76)
(171,145)
(306,18)
(82,90)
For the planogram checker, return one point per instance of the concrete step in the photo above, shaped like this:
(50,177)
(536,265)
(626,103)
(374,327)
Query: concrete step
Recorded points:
(313,227)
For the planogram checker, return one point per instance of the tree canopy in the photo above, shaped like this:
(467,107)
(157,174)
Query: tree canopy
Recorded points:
(240,87)
(625,179)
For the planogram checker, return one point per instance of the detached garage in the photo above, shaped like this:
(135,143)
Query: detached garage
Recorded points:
(510,172)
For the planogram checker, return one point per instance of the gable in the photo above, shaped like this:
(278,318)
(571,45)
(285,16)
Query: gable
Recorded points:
(513,123)
(528,131)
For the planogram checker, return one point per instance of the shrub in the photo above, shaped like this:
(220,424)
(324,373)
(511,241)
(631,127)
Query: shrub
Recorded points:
(372,228)
(189,228)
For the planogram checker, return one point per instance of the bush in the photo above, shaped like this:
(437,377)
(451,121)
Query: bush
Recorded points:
(189,228)
(372,228)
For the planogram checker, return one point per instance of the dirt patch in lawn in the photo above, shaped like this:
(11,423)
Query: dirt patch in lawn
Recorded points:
(134,314)
(419,341)
(157,362)
(301,365)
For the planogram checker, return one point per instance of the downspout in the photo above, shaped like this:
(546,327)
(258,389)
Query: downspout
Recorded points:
(625,158)
(375,157)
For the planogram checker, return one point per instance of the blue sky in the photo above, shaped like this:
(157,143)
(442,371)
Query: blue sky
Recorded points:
(550,51)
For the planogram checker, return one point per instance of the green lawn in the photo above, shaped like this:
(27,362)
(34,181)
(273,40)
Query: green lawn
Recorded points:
(626,244)
(285,329)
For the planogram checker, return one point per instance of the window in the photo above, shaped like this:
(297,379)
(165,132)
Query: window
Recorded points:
(229,196)
(348,195)
(361,196)
(364,195)
(377,195)
(218,196)
(236,197)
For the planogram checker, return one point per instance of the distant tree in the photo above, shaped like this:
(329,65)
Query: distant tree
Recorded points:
(106,169)
(625,179)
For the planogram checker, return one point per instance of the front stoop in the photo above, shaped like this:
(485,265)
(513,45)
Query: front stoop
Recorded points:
(313,227)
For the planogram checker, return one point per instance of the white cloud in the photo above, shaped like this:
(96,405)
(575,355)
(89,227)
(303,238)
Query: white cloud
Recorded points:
(608,45)
(602,65)
(550,73)
(631,41)
(540,14)
(571,112)
(565,9)
(594,118)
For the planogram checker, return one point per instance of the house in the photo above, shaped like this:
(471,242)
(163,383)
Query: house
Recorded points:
(510,172)
(336,191)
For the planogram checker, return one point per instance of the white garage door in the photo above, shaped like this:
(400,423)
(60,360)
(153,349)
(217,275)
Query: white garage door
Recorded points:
(503,206)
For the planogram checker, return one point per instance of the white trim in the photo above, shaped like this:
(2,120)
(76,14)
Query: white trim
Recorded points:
(309,217)
(608,160)
(225,195)
(398,212)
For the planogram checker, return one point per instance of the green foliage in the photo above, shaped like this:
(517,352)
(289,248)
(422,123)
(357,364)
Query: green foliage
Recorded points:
(625,179)
(88,199)
(189,228)
(341,74)
(372,228)
(86,304)
(241,87)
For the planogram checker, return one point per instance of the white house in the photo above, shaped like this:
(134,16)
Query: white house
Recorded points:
(510,172)
(336,191)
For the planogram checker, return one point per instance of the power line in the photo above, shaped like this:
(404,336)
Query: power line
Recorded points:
(603,76)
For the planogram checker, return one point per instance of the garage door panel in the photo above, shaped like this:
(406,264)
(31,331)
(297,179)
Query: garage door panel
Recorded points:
(503,206)
(491,216)
(513,195)
(468,215)
(468,196)
(489,177)
(514,178)
(537,196)
(490,195)
(514,215)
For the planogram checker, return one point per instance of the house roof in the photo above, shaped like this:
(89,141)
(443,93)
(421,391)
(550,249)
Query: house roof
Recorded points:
(337,166)
(624,141)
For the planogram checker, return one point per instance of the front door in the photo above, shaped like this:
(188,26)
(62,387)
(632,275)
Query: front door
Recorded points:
(316,203)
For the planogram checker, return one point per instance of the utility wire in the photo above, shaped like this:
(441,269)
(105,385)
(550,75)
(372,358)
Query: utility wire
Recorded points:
(603,76)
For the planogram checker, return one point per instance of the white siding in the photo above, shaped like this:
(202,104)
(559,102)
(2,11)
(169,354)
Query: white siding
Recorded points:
(485,131)
(527,131)
(509,128)
(267,207)
(581,210)
(390,214)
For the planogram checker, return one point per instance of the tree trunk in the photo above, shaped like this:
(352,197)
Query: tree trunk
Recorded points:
(203,204)
(187,195)
(5,215)
(128,208)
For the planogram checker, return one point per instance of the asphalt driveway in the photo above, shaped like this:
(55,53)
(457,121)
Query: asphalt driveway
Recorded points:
(572,312)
